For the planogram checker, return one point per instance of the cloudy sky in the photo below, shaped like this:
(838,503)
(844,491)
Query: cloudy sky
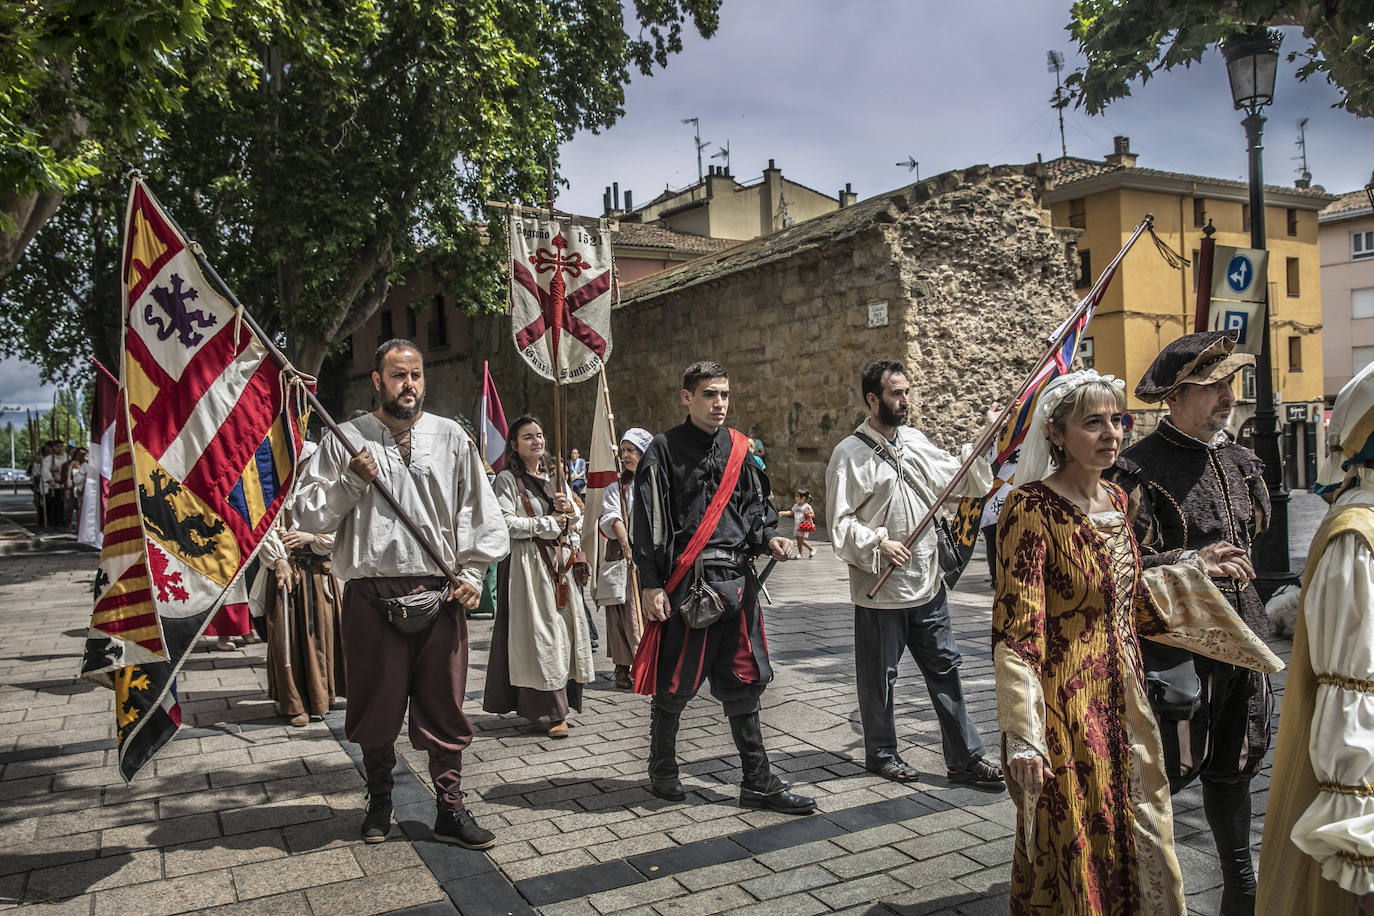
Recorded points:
(839,92)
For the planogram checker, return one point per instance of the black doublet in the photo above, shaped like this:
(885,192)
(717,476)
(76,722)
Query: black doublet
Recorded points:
(1185,495)
(676,478)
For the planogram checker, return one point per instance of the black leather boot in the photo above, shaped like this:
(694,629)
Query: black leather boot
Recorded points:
(1228,814)
(761,789)
(663,781)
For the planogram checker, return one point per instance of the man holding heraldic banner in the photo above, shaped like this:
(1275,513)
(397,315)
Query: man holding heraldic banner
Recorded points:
(405,639)
(701,514)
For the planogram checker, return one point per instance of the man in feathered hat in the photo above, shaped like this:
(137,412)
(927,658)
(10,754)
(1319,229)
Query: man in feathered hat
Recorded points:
(1192,487)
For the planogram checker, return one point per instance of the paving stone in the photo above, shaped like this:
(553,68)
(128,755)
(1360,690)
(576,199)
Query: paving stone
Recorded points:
(934,844)
(803,854)
(276,814)
(45,853)
(73,906)
(788,882)
(699,879)
(791,905)
(878,859)
(869,888)
(93,875)
(380,893)
(223,852)
(376,858)
(632,895)
(564,885)
(706,903)
(486,895)
(792,833)
(928,871)
(162,898)
(447,862)
(539,866)
(174,832)
(295,872)
(684,858)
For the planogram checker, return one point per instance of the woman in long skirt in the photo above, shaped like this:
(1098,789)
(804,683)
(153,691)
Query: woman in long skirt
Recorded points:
(1081,749)
(541,652)
(624,620)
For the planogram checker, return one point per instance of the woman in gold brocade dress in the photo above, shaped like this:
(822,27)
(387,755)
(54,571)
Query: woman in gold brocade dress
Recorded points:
(1080,745)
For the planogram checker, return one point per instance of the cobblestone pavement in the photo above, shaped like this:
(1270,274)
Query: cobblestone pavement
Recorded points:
(243,814)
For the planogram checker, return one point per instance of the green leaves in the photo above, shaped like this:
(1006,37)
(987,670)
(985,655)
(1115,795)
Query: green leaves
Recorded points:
(320,149)
(1129,40)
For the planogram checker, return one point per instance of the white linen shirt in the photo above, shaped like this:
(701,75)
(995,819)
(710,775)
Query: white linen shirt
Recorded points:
(867,503)
(444,490)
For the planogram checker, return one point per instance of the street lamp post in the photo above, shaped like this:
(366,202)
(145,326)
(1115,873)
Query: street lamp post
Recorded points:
(1252,59)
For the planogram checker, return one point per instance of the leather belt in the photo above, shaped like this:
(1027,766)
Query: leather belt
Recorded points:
(712,554)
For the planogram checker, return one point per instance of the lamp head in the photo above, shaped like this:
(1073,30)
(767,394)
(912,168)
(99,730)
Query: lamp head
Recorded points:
(1252,63)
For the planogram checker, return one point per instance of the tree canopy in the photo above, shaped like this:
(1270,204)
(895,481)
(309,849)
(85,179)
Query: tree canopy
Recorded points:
(361,142)
(1129,40)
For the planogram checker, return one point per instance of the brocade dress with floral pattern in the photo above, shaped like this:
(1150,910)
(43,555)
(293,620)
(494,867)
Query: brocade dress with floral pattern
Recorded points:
(1071,603)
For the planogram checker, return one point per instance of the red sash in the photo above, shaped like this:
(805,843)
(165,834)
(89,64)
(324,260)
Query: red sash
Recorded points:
(644,670)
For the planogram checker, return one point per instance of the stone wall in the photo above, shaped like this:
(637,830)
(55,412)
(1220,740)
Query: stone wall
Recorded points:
(972,274)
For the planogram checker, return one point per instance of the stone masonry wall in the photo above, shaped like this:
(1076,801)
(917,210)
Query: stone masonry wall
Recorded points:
(971,272)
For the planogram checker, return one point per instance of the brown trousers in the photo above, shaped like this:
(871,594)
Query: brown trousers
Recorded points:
(386,670)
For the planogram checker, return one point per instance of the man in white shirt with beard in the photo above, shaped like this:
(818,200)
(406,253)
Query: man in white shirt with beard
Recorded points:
(435,472)
(872,508)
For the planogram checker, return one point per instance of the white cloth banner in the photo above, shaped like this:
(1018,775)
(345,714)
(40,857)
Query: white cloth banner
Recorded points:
(562,286)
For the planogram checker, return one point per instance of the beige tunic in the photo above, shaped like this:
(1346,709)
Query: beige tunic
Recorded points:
(444,490)
(547,646)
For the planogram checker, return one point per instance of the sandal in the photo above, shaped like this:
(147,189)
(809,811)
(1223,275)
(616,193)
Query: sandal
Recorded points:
(981,773)
(897,771)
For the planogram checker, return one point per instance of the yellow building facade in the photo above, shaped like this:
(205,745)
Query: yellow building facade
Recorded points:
(1150,304)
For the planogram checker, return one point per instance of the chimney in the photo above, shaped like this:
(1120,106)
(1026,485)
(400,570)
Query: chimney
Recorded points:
(770,200)
(1121,153)
(606,201)
(615,194)
(1305,181)
(847,196)
(628,206)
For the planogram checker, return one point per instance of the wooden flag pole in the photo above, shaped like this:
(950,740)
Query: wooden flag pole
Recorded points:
(280,358)
(990,432)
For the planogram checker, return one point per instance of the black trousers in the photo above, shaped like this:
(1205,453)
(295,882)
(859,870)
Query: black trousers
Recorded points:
(1225,743)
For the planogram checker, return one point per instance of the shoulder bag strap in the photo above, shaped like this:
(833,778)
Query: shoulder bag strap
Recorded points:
(538,542)
(739,445)
(902,472)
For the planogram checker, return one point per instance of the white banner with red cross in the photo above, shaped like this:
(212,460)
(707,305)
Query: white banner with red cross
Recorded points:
(562,288)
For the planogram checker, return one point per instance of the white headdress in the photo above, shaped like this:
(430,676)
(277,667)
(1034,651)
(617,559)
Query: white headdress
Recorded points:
(1037,462)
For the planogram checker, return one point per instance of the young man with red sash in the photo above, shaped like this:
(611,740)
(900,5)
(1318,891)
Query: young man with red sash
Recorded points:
(701,512)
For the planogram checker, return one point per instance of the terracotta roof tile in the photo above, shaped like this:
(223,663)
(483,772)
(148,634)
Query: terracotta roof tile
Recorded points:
(645,236)
(1069,169)
(1347,203)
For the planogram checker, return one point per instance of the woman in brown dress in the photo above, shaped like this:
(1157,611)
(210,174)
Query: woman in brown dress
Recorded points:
(305,668)
(1081,749)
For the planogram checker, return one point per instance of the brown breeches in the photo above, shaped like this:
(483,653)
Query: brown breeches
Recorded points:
(387,669)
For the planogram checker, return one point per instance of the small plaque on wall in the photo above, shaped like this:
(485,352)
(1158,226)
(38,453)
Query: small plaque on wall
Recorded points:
(877,314)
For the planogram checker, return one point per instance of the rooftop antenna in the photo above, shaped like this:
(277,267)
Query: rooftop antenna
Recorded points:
(1302,170)
(723,153)
(696,124)
(911,166)
(1054,62)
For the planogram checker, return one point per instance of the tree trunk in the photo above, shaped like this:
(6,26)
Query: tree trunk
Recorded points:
(29,212)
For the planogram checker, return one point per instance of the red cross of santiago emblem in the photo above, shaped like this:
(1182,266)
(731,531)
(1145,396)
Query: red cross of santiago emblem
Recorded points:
(557,308)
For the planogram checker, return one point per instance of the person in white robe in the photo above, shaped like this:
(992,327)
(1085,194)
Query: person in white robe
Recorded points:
(1317,856)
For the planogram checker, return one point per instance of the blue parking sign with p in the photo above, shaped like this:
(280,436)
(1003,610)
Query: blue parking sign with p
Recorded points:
(1236,321)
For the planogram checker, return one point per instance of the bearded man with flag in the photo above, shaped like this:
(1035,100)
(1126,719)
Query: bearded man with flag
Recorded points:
(405,641)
